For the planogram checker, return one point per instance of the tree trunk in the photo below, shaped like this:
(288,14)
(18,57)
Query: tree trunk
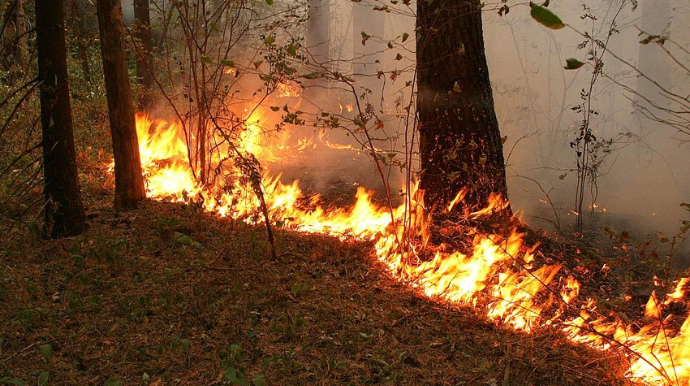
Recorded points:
(64,210)
(318,45)
(460,142)
(368,48)
(318,30)
(129,183)
(142,32)
(652,60)
(82,45)
(22,37)
(14,38)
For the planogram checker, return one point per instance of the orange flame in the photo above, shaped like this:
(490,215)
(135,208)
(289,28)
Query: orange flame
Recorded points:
(500,266)
(289,88)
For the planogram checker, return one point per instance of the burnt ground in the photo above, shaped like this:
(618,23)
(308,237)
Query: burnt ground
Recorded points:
(167,295)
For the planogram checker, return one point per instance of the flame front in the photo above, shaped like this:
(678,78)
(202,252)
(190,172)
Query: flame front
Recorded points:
(499,268)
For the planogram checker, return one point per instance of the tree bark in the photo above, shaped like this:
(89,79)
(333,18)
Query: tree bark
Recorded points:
(652,60)
(64,210)
(82,45)
(318,31)
(460,142)
(318,42)
(367,50)
(129,183)
(142,32)
(13,34)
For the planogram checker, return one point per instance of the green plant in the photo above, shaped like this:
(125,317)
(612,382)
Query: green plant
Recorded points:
(234,363)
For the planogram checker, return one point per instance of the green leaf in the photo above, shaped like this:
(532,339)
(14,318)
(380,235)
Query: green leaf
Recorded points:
(259,380)
(405,36)
(232,376)
(269,2)
(43,378)
(292,49)
(113,382)
(228,63)
(206,59)
(46,351)
(269,40)
(182,238)
(573,64)
(545,17)
(13,381)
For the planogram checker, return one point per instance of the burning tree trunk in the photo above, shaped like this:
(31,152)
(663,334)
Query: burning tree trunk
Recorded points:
(142,32)
(129,182)
(460,142)
(64,210)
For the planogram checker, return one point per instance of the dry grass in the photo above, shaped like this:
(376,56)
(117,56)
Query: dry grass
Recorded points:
(166,295)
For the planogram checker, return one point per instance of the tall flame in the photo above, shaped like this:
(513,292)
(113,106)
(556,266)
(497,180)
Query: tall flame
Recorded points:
(498,266)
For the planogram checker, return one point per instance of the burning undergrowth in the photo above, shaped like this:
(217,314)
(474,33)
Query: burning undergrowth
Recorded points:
(493,270)
(170,295)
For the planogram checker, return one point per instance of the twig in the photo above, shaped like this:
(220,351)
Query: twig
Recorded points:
(212,268)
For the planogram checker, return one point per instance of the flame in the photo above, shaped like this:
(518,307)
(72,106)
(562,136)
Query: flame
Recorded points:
(348,107)
(496,273)
(289,88)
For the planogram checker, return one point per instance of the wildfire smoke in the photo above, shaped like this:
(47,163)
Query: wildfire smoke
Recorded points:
(498,266)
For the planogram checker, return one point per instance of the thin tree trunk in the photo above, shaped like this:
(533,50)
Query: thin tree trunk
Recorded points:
(13,36)
(460,142)
(64,210)
(129,183)
(22,38)
(79,34)
(142,32)
(318,42)
(368,48)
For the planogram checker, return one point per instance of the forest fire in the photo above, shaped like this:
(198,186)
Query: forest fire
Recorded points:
(498,274)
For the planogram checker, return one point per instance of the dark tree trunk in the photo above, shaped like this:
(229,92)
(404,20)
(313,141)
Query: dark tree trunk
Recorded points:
(129,183)
(142,32)
(460,142)
(80,35)
(64,210)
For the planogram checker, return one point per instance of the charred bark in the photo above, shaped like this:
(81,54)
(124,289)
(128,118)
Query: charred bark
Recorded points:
(142,32)
(460,142)
(129,182)
(64,210)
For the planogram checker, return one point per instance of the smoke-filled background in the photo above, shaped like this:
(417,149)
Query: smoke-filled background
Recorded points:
(642,166)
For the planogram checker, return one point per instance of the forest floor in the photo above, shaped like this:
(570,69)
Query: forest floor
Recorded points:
(169,295)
